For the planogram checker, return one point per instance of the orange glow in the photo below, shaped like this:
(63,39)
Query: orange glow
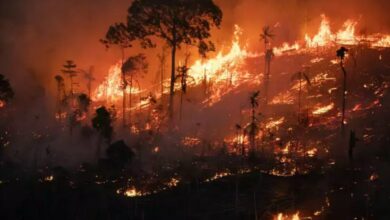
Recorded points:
(2,104)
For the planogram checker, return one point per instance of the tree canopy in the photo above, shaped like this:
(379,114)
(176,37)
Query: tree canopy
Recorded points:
(177,22)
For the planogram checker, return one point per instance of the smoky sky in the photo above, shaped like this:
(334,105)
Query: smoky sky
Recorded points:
(37,36)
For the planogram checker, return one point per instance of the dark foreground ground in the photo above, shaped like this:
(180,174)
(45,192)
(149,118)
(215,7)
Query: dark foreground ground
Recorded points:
(339,193)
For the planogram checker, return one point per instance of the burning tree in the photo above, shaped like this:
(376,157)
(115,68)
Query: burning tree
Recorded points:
(266,36)
(6,91)
(130,69)
(341,54)
(118,34)
(176,22)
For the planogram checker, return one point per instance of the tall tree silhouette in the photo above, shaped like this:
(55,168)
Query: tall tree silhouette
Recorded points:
(162,58)
(266,35)
(133,66)
(70,71)
(177,23)
(300,76)
(6,91)
(341,54)
(119,35)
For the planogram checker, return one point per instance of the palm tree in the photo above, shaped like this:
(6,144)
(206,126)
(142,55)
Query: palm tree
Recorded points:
(301,76)
(266,36)
(341,54)
(252,128)
(133,66)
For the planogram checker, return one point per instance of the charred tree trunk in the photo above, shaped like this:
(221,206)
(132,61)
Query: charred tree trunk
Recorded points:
(344,95)
(130,97)
(172,86)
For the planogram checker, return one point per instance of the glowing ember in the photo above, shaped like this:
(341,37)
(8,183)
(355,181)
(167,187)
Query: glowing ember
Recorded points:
(49,178)
(323,109)
(173,182)
(130,192)
(312,152)
(190,141)
(2,104)
(218,176)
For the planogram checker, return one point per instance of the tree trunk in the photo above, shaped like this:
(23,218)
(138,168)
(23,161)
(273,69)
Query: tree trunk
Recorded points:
(172,86)
(299,98)
(344,95)
(130,98)
(123,91)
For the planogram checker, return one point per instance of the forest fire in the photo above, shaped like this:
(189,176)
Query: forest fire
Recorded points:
(212,110)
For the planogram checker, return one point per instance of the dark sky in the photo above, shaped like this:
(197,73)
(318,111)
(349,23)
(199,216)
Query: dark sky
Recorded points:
(38,35)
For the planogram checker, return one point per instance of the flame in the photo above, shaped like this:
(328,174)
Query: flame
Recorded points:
(110,90)
(323,109)
(224,72)
(347,34)
(323,37)
(2,104)
(382,42)
(281,216)
(278,51)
